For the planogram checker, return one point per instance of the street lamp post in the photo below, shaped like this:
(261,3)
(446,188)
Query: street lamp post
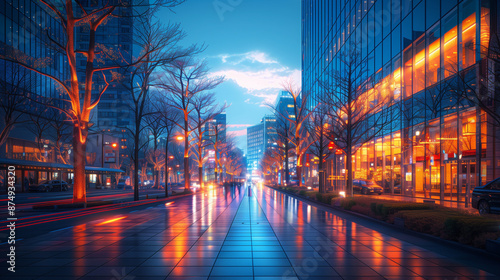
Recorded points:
(166,173)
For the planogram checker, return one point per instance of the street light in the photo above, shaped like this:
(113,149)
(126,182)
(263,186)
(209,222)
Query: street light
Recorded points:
(179,138)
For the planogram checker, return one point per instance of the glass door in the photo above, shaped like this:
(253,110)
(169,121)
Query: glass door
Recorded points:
(468,176)
(450,181)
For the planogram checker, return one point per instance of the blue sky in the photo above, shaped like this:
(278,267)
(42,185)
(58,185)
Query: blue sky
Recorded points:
(255,44)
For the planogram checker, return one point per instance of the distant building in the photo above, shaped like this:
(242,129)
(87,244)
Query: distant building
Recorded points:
(34,147)
(215,126)
(259,138)
(284,105)
(269,122)
(255,146)
(218,122)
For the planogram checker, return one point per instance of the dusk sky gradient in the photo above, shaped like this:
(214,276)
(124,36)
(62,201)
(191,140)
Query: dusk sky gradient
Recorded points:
(255,44)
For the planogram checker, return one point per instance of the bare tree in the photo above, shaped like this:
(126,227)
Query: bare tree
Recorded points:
(100,59)
(60,134)
(283,147)
(220,146)
(186,78)
(233,160)
(205,109)
(272,163)
(318,128)
(154,155)
(39,127)
(176,150)
(299,135)
(164,39)
(356,115)
(12,94)
(168,117)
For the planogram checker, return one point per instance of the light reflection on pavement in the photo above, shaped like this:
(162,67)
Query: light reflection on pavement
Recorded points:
(230,233)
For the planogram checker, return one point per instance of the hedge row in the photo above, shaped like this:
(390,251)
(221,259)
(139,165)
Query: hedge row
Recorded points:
(313,195)
(446,223)
(452,225)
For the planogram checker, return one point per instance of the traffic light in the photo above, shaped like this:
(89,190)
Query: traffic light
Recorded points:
(331,146)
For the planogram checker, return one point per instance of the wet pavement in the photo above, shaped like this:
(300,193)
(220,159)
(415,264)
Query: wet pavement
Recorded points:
(237,233)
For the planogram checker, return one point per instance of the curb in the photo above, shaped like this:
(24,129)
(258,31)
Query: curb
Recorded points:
(400,229)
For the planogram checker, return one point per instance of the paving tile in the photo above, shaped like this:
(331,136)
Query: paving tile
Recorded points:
(232,271)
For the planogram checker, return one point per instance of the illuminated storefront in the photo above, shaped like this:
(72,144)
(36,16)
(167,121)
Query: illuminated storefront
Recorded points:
(419,55)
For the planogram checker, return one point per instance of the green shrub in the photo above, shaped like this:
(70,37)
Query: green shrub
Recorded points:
(347,203)
(452,225)
(319,197)
(327,197)
(386,208)
(302,192)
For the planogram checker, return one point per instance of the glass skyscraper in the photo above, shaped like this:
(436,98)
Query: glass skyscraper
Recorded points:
(417,53)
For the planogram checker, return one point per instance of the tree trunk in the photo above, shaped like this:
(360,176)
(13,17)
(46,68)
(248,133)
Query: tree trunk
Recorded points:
(186,157)
(299,171)
(348,162)
(166,167)
(136,168)
(287,171)
(281,177)
(79,156)
(156,168)
(321,173)
(200,176)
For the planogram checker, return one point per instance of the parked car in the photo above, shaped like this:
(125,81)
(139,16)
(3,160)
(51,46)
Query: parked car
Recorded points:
(147,184)
(486,199)
(124,183)
(366,187)
(49,185)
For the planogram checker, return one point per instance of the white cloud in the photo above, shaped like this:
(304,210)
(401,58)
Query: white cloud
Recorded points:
(264,84)
(253,57)
(260,75)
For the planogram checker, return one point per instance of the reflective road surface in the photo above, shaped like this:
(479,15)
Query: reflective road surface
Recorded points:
(238,233)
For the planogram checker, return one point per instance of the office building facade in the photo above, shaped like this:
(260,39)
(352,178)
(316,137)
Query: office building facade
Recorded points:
(419,54)
(39,146)
(260,137)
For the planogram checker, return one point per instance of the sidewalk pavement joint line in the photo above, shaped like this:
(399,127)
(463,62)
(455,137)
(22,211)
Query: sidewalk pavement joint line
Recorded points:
(206,213)
(179,221)
(241,196)
(389,227)
(272,228)
(264,198)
